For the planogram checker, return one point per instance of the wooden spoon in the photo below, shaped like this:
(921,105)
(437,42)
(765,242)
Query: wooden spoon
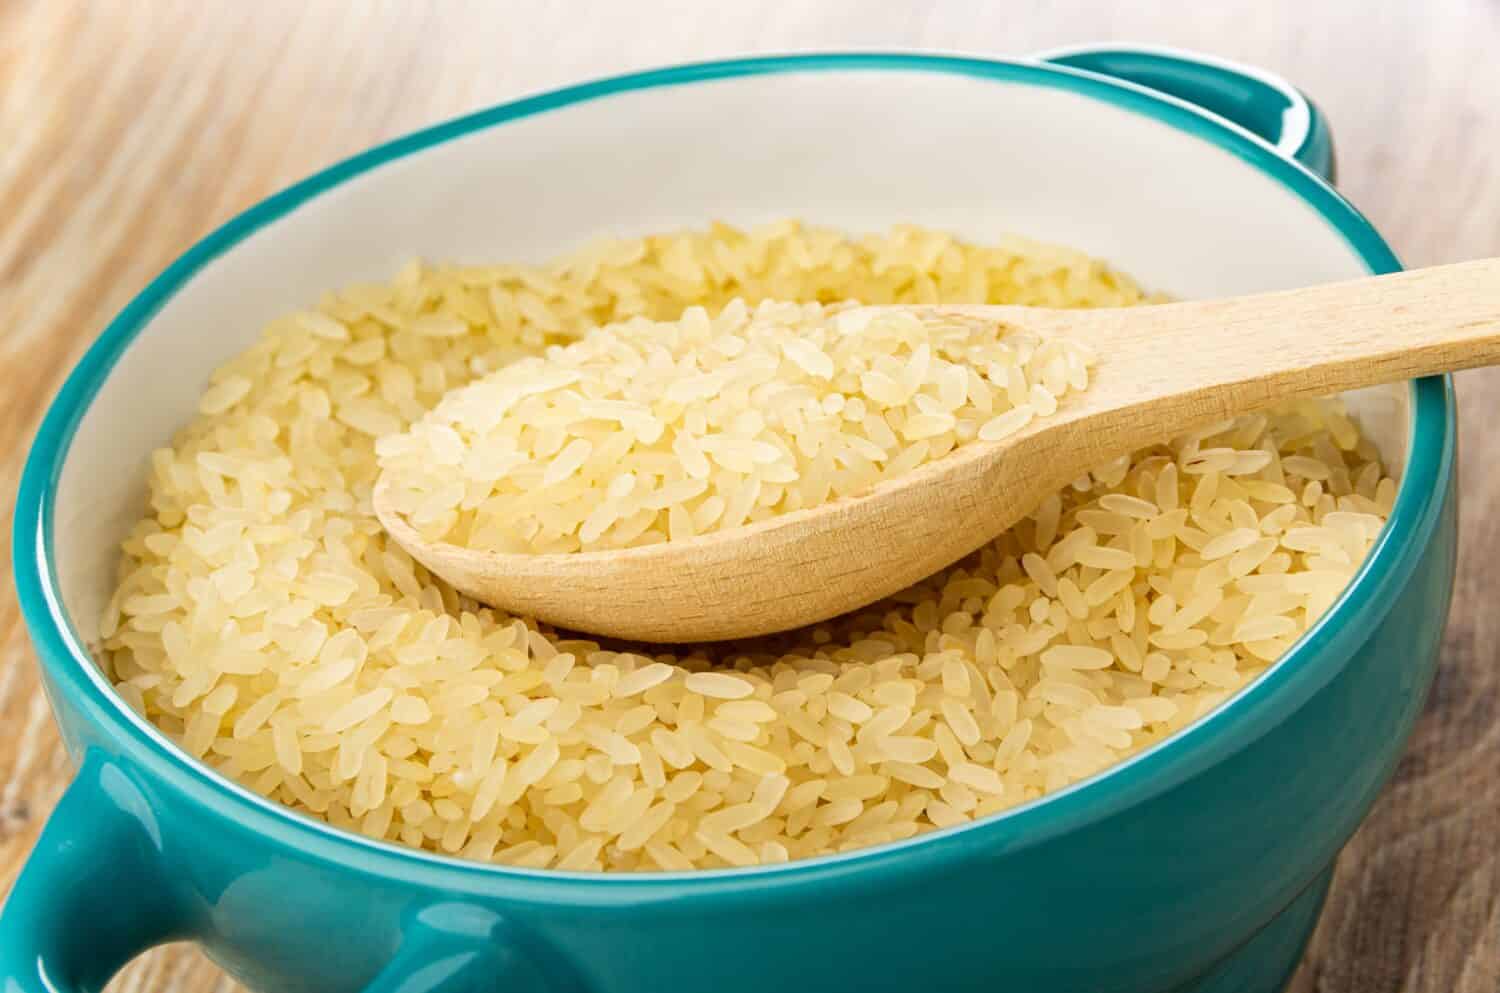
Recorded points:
(1162,370)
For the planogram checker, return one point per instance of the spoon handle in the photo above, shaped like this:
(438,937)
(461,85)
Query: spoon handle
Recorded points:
(1204,360)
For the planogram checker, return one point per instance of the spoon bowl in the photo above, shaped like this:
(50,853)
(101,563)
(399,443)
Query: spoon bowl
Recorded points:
(1163,370)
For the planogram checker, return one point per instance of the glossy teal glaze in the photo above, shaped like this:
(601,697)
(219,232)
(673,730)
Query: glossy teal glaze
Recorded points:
(1199,865)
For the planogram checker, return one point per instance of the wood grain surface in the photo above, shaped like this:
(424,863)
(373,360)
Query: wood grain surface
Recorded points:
(128,130)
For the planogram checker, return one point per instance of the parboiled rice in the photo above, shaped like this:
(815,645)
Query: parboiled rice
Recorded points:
(645,431)
(263,620)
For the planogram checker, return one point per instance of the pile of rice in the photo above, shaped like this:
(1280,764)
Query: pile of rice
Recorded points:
(647,431)
(264,621)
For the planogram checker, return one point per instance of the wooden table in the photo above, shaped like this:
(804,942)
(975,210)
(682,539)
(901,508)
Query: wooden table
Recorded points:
(128,130)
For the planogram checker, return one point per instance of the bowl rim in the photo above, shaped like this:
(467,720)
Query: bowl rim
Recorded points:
(1238,721)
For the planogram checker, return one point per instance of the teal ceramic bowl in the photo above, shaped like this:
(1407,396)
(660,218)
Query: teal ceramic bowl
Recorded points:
(1199,865)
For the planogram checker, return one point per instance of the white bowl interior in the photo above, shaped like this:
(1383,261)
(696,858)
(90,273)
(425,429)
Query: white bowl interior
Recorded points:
(855,149)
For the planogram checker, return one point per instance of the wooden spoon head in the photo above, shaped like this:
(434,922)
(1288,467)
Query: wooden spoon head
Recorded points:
(793,569)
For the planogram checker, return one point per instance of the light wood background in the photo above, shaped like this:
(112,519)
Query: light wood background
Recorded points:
(129,129)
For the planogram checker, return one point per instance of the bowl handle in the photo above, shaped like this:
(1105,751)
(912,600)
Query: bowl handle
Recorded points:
(95,891)
(1253,99)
